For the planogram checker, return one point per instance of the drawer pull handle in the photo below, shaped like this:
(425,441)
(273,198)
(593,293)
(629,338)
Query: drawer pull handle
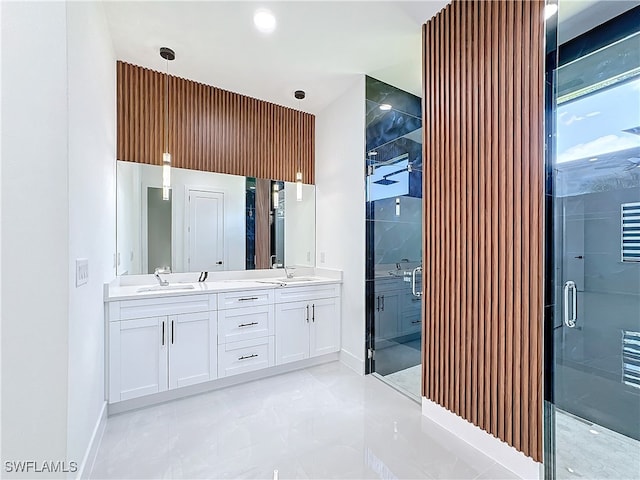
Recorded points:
(247,299)
(244,357)
(247,324)
(416,321)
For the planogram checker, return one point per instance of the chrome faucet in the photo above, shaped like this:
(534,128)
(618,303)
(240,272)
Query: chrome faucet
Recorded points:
(289,271)
(398,265)
(273,259)
(159,270)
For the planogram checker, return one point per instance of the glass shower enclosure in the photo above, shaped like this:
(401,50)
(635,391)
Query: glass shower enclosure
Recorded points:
(393,168)
(593,254)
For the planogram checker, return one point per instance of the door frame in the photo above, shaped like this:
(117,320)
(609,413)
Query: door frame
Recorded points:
(556,56)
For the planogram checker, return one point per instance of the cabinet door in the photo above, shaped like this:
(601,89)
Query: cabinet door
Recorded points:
(192,348)
(386,315)
(292,332)
(138,358)
(325,326)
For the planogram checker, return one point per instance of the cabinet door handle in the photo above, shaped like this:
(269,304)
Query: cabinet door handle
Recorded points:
(244,357)
(313,312)
(307,313)
(416,321)
(378,303)
(163,333)
(173,332)
(247,299)
(247,324)
(382,303)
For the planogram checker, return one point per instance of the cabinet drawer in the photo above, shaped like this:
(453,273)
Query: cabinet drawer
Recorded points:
(411,305)
(244,299)
(237,324)
(153,307)
(245,356)
(295,294)
(383,285)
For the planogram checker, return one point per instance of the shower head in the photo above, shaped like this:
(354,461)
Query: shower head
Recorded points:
(385,181)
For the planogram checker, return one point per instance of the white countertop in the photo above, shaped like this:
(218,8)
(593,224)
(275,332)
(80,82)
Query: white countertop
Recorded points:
(137,288)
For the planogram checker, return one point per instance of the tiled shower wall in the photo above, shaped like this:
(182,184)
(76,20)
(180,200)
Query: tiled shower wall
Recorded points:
(391,134)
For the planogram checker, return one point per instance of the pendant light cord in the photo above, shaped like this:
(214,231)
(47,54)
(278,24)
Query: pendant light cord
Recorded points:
(299,142)
(166,108)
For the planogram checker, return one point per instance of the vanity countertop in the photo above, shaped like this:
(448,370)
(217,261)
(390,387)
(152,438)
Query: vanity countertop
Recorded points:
(143,291)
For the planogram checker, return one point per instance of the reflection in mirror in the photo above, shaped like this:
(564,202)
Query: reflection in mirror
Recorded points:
(210,223)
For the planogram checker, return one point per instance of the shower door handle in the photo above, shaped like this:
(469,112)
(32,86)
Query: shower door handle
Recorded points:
(570,299)
(413,282)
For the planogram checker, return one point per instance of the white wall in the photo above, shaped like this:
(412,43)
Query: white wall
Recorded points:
(92,139)
(299,226)
(340,200)
(128,228)
(35,231)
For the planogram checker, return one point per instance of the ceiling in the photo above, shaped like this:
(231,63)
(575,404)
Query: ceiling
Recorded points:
(319,47)
(576,17)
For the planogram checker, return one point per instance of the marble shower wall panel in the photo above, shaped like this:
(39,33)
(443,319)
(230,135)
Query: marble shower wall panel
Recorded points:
(380,92)
(397,237)
(386,126)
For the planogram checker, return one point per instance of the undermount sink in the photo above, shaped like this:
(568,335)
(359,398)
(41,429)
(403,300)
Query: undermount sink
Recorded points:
(165,288)
(295,279)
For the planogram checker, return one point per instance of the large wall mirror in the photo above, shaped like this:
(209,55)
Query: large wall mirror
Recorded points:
(210,222)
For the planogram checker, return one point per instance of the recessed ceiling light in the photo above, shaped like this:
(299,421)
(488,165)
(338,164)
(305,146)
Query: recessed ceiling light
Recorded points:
(550,10)
(264,20)
(594,159)
(385,107)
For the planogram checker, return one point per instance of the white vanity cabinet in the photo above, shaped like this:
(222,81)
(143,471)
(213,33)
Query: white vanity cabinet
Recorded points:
(160,344)
(307,322)
(245,331)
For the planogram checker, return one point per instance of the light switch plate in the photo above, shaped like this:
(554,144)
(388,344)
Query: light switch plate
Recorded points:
(82,271)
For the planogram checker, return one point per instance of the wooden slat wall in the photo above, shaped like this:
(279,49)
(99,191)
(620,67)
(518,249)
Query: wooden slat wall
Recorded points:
(210,129)
(483,113)
(263,225)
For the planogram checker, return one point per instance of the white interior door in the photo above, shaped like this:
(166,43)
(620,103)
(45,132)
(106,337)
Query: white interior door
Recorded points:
(206,231)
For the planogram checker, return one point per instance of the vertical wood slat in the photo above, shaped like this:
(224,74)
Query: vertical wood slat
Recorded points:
(210,129)
(482,67)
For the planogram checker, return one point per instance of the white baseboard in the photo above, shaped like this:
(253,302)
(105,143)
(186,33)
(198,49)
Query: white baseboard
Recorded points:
(92,449)
(501,452)
(351,361)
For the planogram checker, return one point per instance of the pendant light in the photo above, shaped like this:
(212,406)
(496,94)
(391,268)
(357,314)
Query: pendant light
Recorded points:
(168,55)
(275,195)
(299,94)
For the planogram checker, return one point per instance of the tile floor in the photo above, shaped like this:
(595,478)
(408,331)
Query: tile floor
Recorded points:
(587,450)
(398,357)
(408,380)
(320,422)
